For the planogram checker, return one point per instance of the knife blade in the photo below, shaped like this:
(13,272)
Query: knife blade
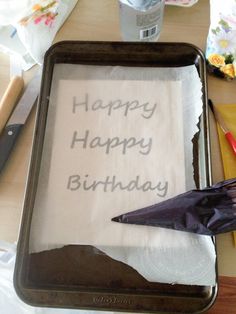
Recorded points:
(17,119)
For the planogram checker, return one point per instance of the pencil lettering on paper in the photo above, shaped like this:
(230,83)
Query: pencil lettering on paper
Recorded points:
(77,104)
(112,184)
(89,139)
(111,106)
(86,141)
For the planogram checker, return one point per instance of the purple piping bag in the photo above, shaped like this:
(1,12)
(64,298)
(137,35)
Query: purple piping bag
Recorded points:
(208,211)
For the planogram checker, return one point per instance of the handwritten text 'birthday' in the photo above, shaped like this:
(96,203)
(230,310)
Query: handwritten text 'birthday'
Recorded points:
(112,184)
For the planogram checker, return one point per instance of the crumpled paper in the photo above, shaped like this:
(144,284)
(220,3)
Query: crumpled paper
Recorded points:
(28,27)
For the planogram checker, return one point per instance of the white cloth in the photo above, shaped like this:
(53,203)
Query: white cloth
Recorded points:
(221,40)
(28,27)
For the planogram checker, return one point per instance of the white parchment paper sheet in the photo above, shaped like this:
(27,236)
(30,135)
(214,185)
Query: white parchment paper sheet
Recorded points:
(75,200)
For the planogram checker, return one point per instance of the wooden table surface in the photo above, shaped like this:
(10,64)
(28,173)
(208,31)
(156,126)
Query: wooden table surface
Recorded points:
(99,20)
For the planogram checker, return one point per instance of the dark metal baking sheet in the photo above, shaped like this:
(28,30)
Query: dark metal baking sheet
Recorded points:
(78,276)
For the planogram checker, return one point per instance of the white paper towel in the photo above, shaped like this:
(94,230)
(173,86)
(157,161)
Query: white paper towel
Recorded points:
(124,128)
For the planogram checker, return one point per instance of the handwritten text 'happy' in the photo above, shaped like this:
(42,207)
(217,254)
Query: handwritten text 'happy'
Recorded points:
(147,109)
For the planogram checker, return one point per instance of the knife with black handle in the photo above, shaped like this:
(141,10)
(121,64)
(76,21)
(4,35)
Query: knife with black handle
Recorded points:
(10,133)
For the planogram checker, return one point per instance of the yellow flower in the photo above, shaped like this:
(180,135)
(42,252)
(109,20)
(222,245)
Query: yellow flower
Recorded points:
(228,69)
(37,7)
(234,65)
(216,60)
(223,43)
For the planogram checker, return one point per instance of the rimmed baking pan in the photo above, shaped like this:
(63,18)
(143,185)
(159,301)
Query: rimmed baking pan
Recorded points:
(80,275)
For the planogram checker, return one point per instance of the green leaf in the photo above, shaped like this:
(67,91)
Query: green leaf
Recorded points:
(229,59)
(225,25)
